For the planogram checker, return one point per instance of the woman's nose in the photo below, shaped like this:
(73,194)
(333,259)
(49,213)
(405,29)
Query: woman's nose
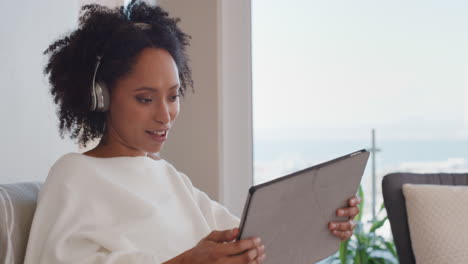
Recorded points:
(162,114)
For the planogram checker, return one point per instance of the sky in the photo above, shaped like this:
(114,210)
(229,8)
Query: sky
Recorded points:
(337,69)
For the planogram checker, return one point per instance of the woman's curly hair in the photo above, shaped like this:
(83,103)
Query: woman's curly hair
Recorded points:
(112,34)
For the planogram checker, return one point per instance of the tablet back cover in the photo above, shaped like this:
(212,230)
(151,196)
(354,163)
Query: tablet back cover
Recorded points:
(291,214)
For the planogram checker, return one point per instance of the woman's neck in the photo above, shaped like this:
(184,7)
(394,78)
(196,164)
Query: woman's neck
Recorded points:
(106,149)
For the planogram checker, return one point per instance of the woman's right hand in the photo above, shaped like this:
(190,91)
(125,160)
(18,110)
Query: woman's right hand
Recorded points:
(219,248)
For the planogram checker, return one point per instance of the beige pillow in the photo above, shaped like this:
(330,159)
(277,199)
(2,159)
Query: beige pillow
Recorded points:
(438,222)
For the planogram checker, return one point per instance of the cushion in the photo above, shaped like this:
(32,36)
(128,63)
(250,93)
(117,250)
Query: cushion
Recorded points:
(17,207)
(437,222)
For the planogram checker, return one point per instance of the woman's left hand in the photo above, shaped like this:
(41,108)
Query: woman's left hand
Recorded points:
(344,230)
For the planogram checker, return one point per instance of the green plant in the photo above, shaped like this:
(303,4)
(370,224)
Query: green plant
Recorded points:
(366,246)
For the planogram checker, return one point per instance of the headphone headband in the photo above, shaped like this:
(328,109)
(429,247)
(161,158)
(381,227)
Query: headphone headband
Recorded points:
(142,25)
(100,100)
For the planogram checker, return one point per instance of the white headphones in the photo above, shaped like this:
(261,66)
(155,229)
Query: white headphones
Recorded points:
(99,93)
(100,98)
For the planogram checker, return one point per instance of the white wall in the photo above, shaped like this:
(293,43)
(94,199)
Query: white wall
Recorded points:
(236,102)
(29,130)
(212,140)
(194,142)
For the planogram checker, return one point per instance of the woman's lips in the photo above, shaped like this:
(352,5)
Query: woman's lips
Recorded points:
(159,136)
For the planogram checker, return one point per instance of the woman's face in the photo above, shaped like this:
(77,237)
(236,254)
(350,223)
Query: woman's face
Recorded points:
(144,105)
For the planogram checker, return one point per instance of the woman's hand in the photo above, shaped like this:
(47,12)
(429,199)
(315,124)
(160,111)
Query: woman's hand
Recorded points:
(218,248)
(344,230)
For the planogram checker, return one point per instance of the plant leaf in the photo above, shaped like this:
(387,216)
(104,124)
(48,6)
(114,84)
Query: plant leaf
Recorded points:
(377,224)
(382,207)
(366,247)
(361,205)
(391,248)
(343,251)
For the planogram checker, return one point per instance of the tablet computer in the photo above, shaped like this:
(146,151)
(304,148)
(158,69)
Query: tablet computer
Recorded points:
(291,213)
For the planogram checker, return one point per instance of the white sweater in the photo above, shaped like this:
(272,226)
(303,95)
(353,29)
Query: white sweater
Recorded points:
(119,210)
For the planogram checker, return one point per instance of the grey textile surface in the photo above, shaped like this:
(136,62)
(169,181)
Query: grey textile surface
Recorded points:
(396,208)
(17,207)
(291,213)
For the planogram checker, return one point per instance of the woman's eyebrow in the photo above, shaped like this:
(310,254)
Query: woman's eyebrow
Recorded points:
(145,89)
(151,89)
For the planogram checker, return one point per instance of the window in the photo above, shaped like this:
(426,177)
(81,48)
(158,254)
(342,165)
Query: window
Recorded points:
(327,73)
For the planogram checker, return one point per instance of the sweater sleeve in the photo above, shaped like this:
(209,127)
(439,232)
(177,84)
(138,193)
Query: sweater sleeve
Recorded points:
(217,215)
(70,226)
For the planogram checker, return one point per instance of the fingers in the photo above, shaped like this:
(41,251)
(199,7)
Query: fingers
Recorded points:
(350,212)
(354,201)
(243,251)
(343,235)
(240,246)
(343,230)
(342,226)
(253,256)
(222,236)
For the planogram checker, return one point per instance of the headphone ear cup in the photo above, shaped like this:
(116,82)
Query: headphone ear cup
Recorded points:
(93,99)
(99,92)
(102,96)
(105,97)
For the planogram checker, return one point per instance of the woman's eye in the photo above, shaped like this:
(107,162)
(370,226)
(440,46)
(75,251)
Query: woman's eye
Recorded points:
(144,100)
(174,97)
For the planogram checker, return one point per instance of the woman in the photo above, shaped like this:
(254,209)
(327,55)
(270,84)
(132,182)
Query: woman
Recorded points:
(119,78)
